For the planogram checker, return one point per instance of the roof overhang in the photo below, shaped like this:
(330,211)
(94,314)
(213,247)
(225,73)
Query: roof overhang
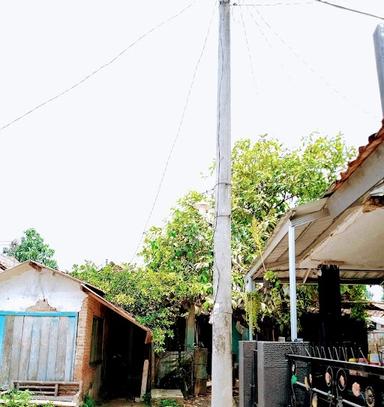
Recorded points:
(345,228)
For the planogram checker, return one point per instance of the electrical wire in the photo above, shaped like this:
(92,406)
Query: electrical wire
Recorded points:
(298,3)
(178,134)
(295,3)
(339,6)
(283,67)
(246,38)
(100,68)
(309,66)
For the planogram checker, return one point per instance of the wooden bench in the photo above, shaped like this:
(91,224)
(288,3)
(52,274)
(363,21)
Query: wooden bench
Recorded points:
(65,394)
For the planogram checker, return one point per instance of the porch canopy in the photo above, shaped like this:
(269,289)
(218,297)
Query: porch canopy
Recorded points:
(345,228)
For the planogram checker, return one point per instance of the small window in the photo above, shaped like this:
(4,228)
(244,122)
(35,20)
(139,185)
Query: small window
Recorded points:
(97,341)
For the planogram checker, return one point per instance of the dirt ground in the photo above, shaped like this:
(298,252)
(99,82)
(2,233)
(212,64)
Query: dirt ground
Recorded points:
(202,401)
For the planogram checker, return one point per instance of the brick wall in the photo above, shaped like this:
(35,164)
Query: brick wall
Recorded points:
(84,372)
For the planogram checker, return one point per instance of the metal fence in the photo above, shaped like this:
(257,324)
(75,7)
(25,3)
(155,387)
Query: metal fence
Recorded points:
(334,376)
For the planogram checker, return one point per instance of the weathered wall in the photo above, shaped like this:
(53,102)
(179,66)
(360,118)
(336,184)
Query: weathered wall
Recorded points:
(90,375)
(22,289)
(247,372)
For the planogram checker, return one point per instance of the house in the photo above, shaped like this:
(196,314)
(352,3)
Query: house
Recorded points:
(335,240)
(56,330)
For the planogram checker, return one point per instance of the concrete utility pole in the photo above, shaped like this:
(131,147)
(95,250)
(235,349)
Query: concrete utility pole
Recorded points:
(379,48)
(222,279)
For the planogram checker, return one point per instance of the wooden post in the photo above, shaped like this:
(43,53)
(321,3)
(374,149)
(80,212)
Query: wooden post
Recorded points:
(144,379)
(190,329)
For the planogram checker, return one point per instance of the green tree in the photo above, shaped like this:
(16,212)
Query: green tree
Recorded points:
(155,298)
(184,244)
(32,247)
(267,179)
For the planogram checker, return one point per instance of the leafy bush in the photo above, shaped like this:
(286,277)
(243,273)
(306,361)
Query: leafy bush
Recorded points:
(169,403)
(15,398)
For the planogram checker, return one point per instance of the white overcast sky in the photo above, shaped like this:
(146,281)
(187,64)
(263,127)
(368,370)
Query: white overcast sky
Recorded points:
(84,169)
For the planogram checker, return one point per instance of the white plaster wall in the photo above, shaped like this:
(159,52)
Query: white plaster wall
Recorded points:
(23,288)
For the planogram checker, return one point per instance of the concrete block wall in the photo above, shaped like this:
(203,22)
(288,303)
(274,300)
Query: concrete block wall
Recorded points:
(247,369)
(84,372)
(272,376)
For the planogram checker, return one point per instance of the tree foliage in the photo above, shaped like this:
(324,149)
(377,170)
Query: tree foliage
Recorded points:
(267,179)
(32,247)
(155,298)
(184,244)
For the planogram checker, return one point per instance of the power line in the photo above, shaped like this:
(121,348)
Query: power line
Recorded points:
(339,6)
(298,3)
(100,68)
(308,65)
(248,49)
(178,133)
(295,3)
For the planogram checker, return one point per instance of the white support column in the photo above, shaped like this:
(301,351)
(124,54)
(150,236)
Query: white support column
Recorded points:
(249,287)
(292,281)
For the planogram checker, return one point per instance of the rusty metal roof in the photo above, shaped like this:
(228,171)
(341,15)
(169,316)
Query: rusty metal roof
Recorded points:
(363,153)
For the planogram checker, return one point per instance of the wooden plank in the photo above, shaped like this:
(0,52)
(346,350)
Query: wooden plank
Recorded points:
(61,348)
(16,347)
(2,333)
(48,382)
(7,350)
(25,348)
(70,349)
(44,348)
(52,348)
(35,347)
(144,378)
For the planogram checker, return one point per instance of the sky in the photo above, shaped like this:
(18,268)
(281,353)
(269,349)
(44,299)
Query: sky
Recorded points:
(84,169)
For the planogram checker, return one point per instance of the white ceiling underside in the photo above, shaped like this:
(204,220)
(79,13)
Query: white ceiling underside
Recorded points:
(355,244)
(345,228)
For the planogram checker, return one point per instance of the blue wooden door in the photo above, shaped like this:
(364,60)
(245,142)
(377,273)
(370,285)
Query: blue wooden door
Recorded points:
(37,346)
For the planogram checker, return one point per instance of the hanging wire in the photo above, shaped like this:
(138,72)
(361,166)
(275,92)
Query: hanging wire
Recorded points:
(311,2)
(309,66)
(339,6)
(100,68)
(247,44)
(281,3)
(178,134)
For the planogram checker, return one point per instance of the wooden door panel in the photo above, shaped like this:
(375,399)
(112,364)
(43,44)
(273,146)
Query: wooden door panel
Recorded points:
(37,346)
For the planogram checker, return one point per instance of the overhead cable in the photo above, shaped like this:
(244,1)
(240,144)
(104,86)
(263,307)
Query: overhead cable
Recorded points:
(309,66)
(339,6)
(100,68)
(178,133)
(247,44)
(281,3)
